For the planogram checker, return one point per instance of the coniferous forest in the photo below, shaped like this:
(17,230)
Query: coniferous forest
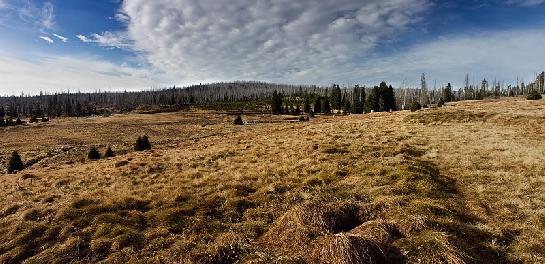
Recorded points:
(253,97)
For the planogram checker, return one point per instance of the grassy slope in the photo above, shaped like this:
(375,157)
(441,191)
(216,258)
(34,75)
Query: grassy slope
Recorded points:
(461,184)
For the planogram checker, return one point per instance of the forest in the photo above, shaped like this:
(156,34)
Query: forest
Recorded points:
(255,97)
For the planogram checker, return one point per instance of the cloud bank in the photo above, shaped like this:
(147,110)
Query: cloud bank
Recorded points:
(266,40)
(60,73)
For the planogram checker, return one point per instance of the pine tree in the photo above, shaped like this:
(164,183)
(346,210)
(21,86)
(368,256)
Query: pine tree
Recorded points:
(138,144)
(346,106)
(93,154)
(238,121)
(145,142)
(318,105)
(2,112)
(142,143)
(18,121)
(276,103)
(326,106)
(387,101)
(373,99)
(306,107)
(357,102)
(78,110)
(15,163)
(336,97)
(447,93)
(424,99)
(2,123)
(109,153)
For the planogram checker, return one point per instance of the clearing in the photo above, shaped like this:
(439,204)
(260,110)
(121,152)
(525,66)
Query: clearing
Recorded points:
(460,184)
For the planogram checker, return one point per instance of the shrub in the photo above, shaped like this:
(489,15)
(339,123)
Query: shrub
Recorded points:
(302,119)
(9,122)
(18,121)
(238,121)
(534,95)
(33,119)
(109,153)
(415,106)
(93,154)
(441,102)
(142,143)
(15,163)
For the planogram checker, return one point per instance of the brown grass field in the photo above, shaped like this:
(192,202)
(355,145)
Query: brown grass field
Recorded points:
(460,184)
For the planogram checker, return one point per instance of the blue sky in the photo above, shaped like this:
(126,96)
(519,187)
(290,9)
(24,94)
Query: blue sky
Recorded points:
(82,45)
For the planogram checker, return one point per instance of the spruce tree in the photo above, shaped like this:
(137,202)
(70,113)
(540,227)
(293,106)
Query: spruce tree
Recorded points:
(357,100)
(238,121)
(336,97)
(318,105)
(276,103)
(146,143)
(306,107)
(326,107)
(15,163)
(447,93)
(93,154)
(138,144)
(142,143)
(534,95)
(373,99)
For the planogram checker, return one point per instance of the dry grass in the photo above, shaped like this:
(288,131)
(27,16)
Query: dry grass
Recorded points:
(461,184)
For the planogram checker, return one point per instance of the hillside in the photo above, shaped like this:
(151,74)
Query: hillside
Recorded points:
(459,184)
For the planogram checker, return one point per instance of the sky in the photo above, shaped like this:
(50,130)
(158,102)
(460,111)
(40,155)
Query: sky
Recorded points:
(116,45)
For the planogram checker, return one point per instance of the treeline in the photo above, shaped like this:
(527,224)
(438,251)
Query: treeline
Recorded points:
(254,96)
(87,104)
(424,96)
(357,100)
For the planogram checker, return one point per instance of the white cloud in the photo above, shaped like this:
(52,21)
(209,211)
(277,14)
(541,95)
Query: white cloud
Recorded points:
(41,18)
(108,39)
(48,39)
(47,16)
(62,38)
(504,55)
(525,2)
(199,40)
(123,18)
(57,73)
(83,38)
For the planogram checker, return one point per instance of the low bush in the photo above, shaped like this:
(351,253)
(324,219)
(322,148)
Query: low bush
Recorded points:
(415,106)
(109,153)
(142,143)
(238,121)
(15,163)
(93,154)
(534,95)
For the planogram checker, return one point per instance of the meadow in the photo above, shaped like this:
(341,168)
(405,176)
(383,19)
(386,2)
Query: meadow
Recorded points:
(460,184)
